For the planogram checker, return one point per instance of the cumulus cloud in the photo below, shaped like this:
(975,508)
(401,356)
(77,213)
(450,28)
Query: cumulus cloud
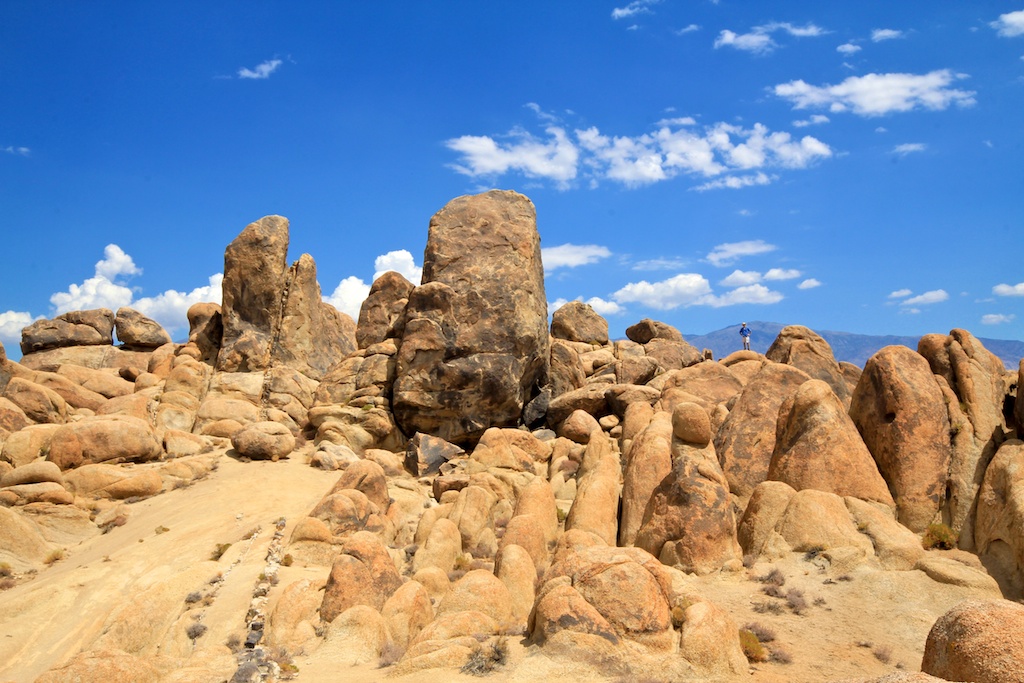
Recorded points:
(933,297)
(676,148)
(809,283)
(19,151)
(170,308)
(116,263)
(730,252)
(749,294)
(685,289)
(880,94)
(600,306)
(400,261)
(350,293)
(1009,25)
(555,159)
(782,274)
(996,319)
(848,49)
(900,293)
(759,39)
(262,70)
(11,324)
(909,148)
(572,255)
(814,120)
(880,34)
(739,278)
(1009,290)
(634,8)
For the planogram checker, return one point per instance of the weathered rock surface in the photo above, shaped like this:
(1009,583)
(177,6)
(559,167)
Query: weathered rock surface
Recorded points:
(135,330)
(999,529)
(978,640)
(901,415)
(475,347)
(264,441)
(75,328)
(803,348)
(382,314)
(647,329)
(578,322)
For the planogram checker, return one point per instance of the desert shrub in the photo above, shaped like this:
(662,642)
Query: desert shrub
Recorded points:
(562,514)
(796,601)
(845,577)
(234,642)
(813,552)
(763,633)
(486,659)
(883,653)
(752,648)
(938,536)
(390,654)
(54,556)
(749,560)
(195,630)
(456,574)
(161,530)
(7,583)
(819,602)
(767,607)
(119,520)
(773,578)
(287,561)
(250,533)
(463,562)
(193,597)
(5,570)
(219,550)
(773,591)
(284,659)
(781,655)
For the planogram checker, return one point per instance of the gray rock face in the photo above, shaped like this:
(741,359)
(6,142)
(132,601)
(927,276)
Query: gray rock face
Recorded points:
(475,347)
(75,328)
(135,330)
(274,315)
(578,322)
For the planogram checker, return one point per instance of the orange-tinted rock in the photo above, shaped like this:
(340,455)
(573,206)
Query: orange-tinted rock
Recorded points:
(578,322)
(978,640)
(803,348)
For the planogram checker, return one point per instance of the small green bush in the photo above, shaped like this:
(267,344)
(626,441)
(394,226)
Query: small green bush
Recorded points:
(938,536)
(219,551)
(752,647)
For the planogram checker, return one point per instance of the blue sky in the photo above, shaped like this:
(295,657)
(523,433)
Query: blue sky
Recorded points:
(852,166)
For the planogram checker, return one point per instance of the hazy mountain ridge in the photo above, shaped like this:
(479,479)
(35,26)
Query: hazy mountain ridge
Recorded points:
(847,346)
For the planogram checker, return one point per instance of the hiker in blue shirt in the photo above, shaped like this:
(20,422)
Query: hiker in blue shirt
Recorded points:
(745,333)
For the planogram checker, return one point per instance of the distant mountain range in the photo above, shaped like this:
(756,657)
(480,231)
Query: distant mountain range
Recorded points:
(847,346)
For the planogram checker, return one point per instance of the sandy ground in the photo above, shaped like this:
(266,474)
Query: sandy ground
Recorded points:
(859,621)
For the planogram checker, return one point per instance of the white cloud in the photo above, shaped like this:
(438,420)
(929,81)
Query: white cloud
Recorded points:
(400,261)
(634,8)
(20,151)
(881,129)
(880,34)
(572,255)
(814,120)
(909,148)
(95,292)
(483,156)
(11,324)
(1009,290)
(1010,24)
(730,252)
(759,40)
(687,29)
(115,263)
(674,149)
(738,278)
(262,70)
(996,319)
(749,294)
(659,264)
(349,295)
(900,293)
(848,49)
(879,94)
(170,308)
(933,297)
(685,289)
(809,283)
(782,274)
(600,306)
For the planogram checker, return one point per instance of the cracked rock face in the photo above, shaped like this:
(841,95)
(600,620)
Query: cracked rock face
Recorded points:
(475,346)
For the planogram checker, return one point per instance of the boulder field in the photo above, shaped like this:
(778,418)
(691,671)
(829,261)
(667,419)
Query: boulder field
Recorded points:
(459,485)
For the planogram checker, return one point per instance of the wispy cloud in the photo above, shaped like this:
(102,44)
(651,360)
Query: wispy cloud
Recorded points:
(11,325)
(1009,290)
(600,306)
(1009,25)
(880,34)
(730,252)
(722,151)
(572,255)
(814,120)
(900,293)
(634,8)
(659,264)
(740,278)
(997,318)
(909,148)
(809,283)
(261,71)
(19,151)
(782,274)
(687,29)
(848,49)
(933,297)
(759,39)
(879,94)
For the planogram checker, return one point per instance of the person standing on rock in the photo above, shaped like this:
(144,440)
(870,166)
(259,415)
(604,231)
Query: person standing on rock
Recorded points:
(745,333)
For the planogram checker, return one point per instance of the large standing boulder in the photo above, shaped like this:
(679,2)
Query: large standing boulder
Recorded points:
(475,348)
(978,640)
(649,462)
(999,527)
(817,446)
(578,322)
(803,348)
(974,381)
(205,329)
(135,330)
(647,329)
(75,328)
(901,415)
(596,507)
(382,314)
(745,441)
